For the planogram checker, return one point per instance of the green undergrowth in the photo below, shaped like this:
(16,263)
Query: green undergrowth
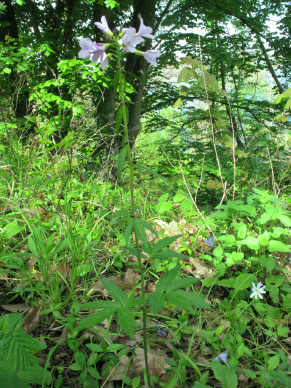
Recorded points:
(56,261)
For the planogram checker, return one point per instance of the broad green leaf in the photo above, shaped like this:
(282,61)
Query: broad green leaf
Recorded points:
(278,246)
(8,377)
(157,301)
(182,283)
(228,240)
(244,281)
(273,362)
(230,283)
(178,198)
(225,375)
(241,234)
(163,207)
(178,103)
(127,320)
(185,75)
(269,262)
(285,220)
(117,294)
(163,198)
(277,280)
(167,279)
(94,319)
(186,206)
(187,298)
(80,359)
(95,348)
(218,251)
(264,238)
(11,230)
(249,373)
(219,372)
(250,242)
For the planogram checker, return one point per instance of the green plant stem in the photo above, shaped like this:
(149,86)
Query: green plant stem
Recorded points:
(130,162)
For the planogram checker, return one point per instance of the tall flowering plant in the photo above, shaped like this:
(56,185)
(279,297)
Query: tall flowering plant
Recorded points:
(124,40)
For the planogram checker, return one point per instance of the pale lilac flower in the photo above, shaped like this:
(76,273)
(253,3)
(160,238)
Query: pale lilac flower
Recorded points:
(221,357)
(144,31)
(258,290)
(150,56)
(99,56)
(87,48)
(103,26)
(129,40)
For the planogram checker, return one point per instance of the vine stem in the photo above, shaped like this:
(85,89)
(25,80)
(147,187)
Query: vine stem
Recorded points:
(130,162)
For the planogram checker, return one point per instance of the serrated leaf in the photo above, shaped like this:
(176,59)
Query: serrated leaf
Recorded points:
(18,349)
(184,299)
(182,283)
(127,320)
(278,246)
(117,293)
(250,242)
(121,161)
(156,300)
(286,221)
(141,234)
(167,279)
(94,319)
(146,225)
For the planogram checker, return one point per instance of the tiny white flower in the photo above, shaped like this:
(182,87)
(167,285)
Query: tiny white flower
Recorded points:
(258,290)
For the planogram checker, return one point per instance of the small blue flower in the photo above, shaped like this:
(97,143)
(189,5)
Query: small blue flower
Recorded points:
(209,241)
(160,331)
(221,357)
(127,199)
(137,210)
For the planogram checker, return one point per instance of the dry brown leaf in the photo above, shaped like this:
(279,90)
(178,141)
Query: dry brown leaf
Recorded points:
(157,363)
(202,270)
(120,370)
(127,341)
(131,277)
(65,271)
(31,320)
(14,308)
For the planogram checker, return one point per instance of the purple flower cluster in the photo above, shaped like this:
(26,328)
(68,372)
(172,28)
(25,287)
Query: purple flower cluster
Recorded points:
(209,241)
(129,38)
(160,331)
